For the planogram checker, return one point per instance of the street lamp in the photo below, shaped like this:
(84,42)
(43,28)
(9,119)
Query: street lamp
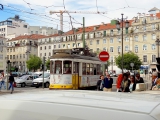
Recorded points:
(157,43)
(118,25)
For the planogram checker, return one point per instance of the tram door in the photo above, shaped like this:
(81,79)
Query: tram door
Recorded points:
(75,79)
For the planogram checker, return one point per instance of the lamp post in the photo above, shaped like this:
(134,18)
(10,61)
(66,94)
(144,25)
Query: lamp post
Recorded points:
(27,53)
(118,25)
(157,43)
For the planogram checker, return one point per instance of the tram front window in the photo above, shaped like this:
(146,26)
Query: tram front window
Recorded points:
(67,67)
(58,67)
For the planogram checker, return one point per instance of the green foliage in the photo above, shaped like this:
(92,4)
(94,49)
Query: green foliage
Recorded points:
(127,59)
(34,62)
(48,64)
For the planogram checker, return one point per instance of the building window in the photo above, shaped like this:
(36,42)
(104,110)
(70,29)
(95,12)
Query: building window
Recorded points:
(144,47)
(40,54)
(68,45)
(111,49)
(49,54)
(11,50)
(153,26)
(119,32)
(10,56)
(144,58)
(36,32)
(91,35)
(54,46)
(90,42)
(49,47)
(136,38)
(144,38)
(104,49)
(31,32)
(127,39)
(119,39)
(13,56)
(153,58)
(44,54)
(63,45)
(126,48)
(111,32)
(144,28)
(23,55)
(45,47)
(153,36)
(104,33)
(59,46)
(73,44)
(40,48)
(104,40)
(97,49)
(79,44)
(111,40)
(119,49)
(136,48)
(97,42)
(20,56)
(153,46)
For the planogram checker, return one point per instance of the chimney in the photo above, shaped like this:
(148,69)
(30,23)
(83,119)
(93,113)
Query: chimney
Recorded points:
(102,23)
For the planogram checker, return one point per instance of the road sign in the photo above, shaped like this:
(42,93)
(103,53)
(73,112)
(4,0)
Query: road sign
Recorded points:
(104,56)
(131,64)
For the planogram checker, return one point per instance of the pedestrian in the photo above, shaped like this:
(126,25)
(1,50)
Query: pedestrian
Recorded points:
(100,83)
(107,83)
(138,78)
(118,82)
(2,80)
(125,83)
(11,81)
(132,85)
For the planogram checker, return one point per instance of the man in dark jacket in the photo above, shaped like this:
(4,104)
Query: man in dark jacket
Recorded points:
(107,83)
(11,81)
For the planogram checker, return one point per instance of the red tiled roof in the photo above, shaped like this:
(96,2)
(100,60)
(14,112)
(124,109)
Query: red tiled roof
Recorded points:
(158,15)
(33,37)
(91,28)
(54,35)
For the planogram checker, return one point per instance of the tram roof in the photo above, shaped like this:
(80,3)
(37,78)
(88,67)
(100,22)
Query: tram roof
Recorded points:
(68,53)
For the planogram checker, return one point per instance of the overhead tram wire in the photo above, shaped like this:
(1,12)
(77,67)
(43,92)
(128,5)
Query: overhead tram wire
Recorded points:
(33,18)
(70,22)
(28,5)
(127,3)
(41,5)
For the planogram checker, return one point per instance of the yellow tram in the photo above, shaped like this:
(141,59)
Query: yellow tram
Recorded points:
(74,69)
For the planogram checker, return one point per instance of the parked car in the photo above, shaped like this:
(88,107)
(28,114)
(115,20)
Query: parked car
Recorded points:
(25,80)
(38,82)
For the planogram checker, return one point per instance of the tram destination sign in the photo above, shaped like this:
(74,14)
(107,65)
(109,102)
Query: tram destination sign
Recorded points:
(104,56)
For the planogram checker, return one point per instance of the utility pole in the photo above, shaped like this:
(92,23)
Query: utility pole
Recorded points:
(43,64)
(83,32)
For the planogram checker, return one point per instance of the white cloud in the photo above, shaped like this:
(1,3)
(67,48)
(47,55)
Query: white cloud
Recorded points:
(112,6)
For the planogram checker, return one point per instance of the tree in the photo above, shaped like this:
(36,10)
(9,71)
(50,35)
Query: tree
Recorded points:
(128,58)
(48,64)
(34,62)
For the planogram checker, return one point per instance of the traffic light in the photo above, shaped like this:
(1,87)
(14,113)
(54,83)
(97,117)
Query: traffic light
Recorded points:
(42,67)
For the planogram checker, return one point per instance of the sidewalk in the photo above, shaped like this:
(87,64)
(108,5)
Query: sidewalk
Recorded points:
(3,92)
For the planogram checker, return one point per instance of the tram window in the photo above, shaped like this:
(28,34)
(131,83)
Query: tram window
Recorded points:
(84,68)
(101,69)
(67,67)
(98,69)
(75,67)
(88,68)
(91,69)
(51,67)
(58,67)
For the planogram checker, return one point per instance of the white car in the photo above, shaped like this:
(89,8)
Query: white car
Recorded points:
(25,80)
(39,81)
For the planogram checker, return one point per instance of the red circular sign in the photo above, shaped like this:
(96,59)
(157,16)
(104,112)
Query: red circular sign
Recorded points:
(104,56)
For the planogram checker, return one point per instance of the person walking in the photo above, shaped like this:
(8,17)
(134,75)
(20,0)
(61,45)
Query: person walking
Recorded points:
(11,81)
(2,80)
(100,83)
(107,83)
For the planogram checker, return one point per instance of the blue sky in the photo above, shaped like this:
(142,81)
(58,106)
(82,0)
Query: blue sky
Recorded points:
(114,8)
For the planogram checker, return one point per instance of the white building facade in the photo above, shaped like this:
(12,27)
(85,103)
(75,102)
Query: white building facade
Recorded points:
(13,27)
(3,55)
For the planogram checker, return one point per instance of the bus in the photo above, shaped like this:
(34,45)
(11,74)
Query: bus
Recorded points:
(74,69)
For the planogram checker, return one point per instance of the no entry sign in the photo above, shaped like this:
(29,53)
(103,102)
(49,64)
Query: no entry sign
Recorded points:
(104,56)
